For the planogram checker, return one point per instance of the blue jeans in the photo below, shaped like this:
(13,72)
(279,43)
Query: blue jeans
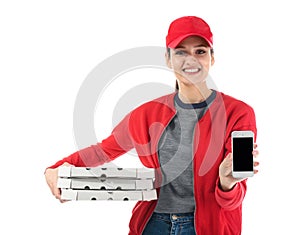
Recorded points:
(170,224)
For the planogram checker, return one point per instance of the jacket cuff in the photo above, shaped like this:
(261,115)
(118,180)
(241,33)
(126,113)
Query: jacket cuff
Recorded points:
(225,194)
(230,200)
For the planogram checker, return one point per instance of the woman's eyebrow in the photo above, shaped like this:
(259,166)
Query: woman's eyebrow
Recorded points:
(200,45)
(179,47)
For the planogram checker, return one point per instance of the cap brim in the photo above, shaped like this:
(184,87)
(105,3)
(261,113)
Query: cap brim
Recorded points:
(178,40)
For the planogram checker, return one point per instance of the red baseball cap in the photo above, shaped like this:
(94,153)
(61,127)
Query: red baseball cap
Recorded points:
(186,26)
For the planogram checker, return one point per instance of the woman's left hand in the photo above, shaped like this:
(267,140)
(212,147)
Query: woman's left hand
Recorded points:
(227,181)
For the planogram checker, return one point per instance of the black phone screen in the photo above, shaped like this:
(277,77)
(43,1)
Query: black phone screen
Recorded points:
(242,154)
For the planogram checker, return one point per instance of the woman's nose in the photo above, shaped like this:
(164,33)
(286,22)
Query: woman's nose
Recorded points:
(190,59)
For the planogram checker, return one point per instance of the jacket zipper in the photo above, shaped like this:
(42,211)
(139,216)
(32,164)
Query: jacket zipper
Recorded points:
(193,155)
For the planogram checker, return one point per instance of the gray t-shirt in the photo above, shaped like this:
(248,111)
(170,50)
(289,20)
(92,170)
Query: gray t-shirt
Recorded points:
(176,158)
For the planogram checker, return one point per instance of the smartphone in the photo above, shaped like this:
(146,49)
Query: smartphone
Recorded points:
(242,147)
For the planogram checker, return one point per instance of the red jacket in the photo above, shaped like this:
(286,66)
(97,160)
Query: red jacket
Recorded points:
(217,212)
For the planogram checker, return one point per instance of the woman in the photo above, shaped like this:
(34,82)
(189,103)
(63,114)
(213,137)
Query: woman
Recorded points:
(186,137)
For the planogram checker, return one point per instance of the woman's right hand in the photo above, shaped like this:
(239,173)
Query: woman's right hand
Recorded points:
(51,176)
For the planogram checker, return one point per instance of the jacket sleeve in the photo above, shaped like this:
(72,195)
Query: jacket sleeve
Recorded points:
(118,143)
(242,118)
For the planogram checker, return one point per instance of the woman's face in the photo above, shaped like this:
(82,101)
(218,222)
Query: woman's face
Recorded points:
(191,60)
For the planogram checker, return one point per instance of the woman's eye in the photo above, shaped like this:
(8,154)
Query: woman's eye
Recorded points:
(200,51)
(179,53)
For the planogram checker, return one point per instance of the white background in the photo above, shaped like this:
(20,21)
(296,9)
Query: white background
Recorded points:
(47,49)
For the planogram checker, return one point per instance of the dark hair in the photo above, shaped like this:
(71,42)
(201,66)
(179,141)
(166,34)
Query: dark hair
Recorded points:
(169,55)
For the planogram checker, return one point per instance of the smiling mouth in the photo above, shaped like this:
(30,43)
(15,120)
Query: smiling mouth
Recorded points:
(191,70)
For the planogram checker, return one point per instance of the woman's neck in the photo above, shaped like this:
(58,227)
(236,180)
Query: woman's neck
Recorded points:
(193,94)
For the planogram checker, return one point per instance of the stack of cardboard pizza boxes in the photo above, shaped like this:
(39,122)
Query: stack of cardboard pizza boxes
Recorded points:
(98,183)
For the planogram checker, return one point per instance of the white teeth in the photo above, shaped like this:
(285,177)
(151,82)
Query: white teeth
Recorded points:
(191,70)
